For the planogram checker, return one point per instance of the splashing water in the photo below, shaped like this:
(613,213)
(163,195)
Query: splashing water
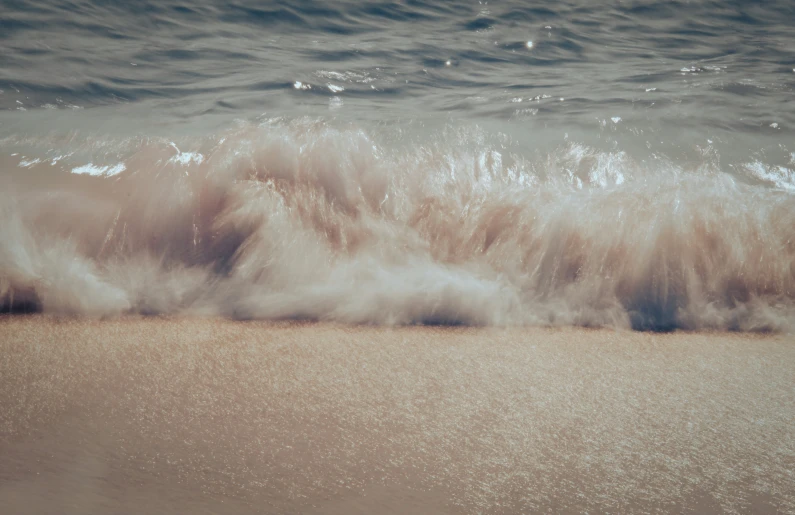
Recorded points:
(304,219)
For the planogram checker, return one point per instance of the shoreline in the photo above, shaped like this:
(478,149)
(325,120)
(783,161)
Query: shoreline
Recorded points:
(162,414)
(287,322)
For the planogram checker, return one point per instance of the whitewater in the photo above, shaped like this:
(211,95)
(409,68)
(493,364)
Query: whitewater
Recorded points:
(629,166)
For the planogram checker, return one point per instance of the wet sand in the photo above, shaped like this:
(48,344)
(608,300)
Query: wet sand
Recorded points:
(184,415)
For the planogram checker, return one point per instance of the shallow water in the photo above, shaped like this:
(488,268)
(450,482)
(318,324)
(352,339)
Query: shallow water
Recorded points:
(628,164)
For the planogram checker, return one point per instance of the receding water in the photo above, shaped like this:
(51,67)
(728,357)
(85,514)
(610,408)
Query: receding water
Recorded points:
(621,163)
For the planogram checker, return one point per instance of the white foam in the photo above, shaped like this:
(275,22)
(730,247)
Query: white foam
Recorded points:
(92,169)
(302,220)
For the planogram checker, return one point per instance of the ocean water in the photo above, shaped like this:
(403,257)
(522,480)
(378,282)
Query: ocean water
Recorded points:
(620,163)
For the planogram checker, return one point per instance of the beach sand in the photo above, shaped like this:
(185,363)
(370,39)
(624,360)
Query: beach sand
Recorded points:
(195,415)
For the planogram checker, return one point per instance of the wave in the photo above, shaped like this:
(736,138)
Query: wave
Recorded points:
(302,220)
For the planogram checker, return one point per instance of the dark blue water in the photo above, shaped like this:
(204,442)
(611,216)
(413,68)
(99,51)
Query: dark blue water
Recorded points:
(623,163)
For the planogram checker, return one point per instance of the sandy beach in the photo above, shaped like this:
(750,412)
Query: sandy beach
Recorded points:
(380,257)
(182,415)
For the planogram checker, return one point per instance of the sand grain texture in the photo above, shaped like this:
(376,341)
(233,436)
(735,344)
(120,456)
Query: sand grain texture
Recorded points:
(146,415)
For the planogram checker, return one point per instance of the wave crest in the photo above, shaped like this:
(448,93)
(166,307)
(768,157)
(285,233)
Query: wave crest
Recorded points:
(304,220)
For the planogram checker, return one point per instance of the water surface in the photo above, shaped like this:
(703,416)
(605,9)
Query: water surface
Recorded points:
(623,164)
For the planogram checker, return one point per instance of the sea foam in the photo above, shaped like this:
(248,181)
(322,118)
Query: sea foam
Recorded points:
(305,220)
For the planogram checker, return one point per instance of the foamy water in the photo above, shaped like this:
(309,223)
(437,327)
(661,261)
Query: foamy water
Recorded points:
(483,164)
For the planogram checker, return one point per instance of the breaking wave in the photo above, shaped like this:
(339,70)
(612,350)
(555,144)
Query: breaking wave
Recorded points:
(304,220)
